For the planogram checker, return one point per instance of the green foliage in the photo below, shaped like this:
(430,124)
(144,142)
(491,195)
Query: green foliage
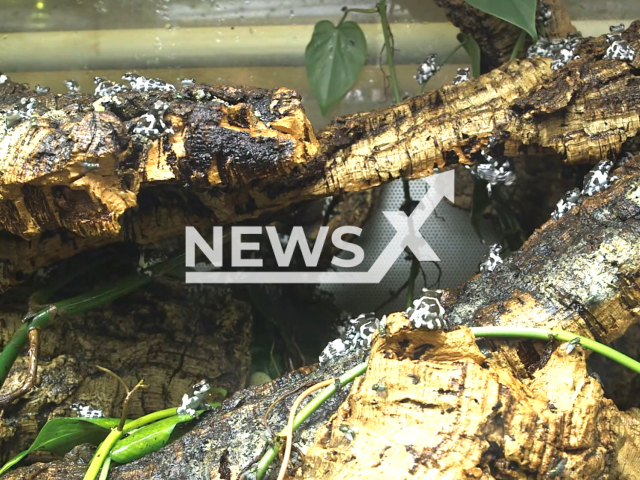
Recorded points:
(334,58)
(147,434)
(480,201)
(146,439)
(521,13)
(473,49)
(60,435)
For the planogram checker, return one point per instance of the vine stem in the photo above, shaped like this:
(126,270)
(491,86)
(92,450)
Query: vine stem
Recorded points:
(386,32)
(102,454)
(413,273)
(355,10)
(388,45)
(305,413)
(479,332)
(104,473)
(289,427)
(546,333)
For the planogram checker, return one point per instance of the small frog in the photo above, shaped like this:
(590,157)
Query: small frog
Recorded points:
(194,399)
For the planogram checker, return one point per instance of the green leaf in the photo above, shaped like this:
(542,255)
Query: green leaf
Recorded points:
(521,13)
(473,49)
(146,439)
(480,202)
(334,58)
(60,435)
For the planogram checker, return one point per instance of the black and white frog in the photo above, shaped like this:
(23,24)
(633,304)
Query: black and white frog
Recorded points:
(195,399)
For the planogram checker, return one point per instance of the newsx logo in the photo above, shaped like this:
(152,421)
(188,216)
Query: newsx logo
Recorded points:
(407,235)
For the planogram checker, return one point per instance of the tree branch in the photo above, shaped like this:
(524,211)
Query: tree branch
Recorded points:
(77,178)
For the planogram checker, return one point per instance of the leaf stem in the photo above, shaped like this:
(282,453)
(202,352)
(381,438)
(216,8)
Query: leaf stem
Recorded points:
(104,472)
(102,454)
(452,53)
(413,273)
(518,46)
(545,333)
(542,29)
(150,418)
(305,413)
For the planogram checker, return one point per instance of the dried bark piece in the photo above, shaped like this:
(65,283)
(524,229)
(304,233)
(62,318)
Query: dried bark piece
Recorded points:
(580,273)
(450,413)
(225,443)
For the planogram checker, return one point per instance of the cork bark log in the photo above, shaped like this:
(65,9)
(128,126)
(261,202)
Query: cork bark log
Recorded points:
(171,334)
(450,411)
(517,414)
(76,178)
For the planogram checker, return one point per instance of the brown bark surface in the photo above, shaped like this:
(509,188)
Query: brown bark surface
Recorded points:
(466,416)
(238,154)
(171,334)
(515,414)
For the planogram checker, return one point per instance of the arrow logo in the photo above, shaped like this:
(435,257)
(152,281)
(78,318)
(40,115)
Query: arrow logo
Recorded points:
(407,235)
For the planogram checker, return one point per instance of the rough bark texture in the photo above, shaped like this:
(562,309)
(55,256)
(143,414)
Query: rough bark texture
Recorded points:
(496,37)
(237,154)
(580,273)
(170,334)
(516,414)
(224,443)
(450,413)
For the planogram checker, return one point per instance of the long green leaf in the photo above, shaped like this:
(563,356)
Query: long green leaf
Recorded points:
(146,439)
(473,50)
(334,58)
(480,202)
(521,13)
(60,435)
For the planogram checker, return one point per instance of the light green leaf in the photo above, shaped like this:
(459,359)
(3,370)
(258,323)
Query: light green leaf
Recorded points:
(521,13)
(473,49)
(334,58)
(60,435)
(146,439)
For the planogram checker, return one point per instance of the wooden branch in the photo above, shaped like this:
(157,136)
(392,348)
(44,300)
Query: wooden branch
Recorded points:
(517,411)
(76,177)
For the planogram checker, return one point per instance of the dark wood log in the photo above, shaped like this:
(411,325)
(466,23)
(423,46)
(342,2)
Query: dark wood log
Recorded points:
(75,177)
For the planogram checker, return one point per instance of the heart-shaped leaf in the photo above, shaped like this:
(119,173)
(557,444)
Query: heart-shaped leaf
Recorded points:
(60,435)
(334,58)
(146,439)
(473,49)
(521,13)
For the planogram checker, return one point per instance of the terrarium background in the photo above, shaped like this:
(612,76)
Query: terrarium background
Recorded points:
(262,43)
